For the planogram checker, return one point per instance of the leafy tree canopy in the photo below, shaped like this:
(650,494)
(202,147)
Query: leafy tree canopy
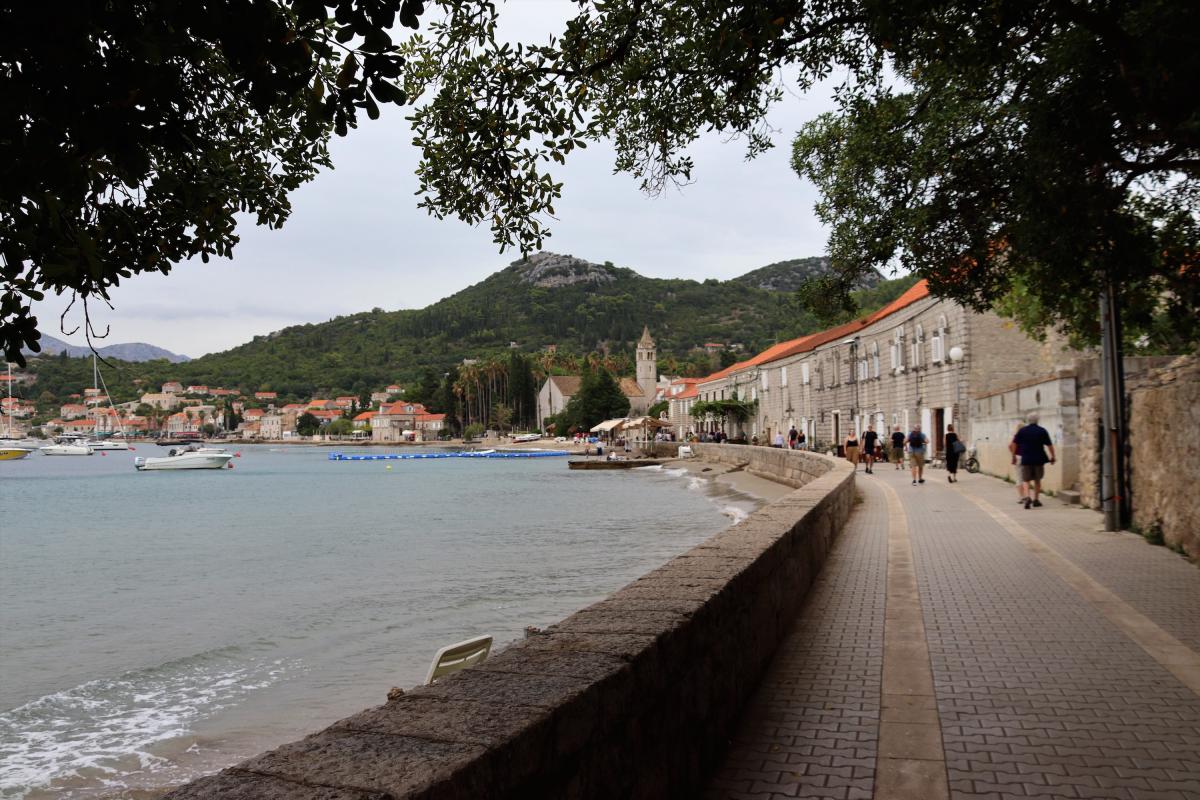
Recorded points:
(599,398)
(132,133)
(1055,143)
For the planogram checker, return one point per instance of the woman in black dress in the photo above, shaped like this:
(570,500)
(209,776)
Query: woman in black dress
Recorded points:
(951,454)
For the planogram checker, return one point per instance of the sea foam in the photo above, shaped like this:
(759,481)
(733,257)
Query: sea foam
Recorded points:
(95,728)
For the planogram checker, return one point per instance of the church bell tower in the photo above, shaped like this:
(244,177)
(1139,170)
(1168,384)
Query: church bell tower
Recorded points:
(647,367)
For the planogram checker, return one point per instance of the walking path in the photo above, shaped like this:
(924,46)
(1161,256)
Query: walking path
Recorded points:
(958,646)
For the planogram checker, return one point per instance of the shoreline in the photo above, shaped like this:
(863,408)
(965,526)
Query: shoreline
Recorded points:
(763,489)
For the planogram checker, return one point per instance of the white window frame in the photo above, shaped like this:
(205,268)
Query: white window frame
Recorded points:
(898,351)
(937,345)
(763,378)
(917,345)
(804,373)
(783,377)
(875,359)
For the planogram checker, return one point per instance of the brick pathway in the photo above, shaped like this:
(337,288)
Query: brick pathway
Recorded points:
(1046,642)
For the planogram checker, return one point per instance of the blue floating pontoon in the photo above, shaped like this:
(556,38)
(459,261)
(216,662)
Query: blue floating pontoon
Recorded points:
(463,454)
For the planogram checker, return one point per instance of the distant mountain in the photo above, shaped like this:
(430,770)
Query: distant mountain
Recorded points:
(576,306)
(131,351)
(787,276)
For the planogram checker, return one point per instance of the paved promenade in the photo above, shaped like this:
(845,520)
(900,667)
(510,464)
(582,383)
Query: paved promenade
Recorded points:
(957,645)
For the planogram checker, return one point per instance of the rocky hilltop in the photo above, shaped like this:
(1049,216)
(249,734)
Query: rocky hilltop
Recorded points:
(788,276)
(549,270)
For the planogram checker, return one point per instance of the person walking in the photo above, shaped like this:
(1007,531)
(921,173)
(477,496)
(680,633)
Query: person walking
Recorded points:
(778,440)
(898,447)
(870,439)
(916,453)
(953,451)
(1032,442)
(1016,464)
(852,450)
(793,436)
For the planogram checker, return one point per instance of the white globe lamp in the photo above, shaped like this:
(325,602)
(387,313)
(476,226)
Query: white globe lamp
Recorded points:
(956,353)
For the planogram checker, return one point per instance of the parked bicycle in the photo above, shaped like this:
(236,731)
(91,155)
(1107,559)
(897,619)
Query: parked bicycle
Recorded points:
(971,462)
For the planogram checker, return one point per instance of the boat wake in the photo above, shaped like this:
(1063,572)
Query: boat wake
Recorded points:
(105,727)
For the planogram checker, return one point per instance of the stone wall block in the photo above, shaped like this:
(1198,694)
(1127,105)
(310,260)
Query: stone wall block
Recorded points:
(237,784)
(395,765)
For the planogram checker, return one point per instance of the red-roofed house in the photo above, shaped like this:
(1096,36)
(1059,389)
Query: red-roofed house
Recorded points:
(266,395)
(345,401)
(172,387)
(253,414)
(72,411)
(363,420)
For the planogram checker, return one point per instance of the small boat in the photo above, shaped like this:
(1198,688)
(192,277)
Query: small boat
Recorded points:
(526,437)
(12,452)
(66,449)
(108,444)
(190,457)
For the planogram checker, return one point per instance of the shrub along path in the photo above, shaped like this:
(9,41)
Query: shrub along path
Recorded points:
(958,645)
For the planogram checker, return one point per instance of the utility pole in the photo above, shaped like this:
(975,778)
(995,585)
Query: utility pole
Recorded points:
(1113,485)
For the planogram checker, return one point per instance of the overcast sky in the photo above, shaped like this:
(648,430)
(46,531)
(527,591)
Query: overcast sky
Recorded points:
(356,240)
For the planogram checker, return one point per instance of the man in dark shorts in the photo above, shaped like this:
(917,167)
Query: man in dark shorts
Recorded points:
(1031,443)
(898,447)
(870,439)
(793,437)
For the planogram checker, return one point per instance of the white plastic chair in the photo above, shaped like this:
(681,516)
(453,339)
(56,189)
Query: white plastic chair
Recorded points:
(460,655)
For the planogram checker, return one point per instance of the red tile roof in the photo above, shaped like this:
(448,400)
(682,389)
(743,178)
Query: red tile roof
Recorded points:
(918,291)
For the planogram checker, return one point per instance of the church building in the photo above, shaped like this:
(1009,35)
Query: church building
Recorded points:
(558,390)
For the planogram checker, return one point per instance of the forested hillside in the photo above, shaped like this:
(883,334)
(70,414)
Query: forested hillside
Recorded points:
(577,306)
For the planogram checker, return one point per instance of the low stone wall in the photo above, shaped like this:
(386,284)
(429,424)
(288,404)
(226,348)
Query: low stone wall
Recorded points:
(632,697)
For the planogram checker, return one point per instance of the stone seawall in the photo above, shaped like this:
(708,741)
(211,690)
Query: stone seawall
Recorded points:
(634,696)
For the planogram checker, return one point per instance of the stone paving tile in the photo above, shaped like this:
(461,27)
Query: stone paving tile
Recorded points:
(1158,583)
(1038,694)
(812,728)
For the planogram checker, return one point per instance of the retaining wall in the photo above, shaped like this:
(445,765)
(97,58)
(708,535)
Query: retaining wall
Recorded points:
(633,697)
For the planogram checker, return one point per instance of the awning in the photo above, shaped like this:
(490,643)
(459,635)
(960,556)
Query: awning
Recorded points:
(644,422)
(607,426)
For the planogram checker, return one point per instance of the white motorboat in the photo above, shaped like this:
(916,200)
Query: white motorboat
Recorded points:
(108,444)
(67,449)
(190,457)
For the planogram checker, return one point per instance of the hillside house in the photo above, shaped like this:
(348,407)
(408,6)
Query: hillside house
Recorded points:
(72,411)
(165,401)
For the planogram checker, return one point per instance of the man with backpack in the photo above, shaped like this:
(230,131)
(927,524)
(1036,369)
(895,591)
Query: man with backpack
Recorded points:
(916,453)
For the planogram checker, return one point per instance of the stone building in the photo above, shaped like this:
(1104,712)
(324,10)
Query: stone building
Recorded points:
(917,360)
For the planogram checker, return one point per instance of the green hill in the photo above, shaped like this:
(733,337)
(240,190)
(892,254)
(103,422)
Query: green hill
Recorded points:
(549,299)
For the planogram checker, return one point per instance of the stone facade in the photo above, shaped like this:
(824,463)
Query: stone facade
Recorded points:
(895,367)
(1164,454)
(635,696)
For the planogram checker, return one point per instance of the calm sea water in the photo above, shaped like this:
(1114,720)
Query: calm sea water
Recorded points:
(156,626)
